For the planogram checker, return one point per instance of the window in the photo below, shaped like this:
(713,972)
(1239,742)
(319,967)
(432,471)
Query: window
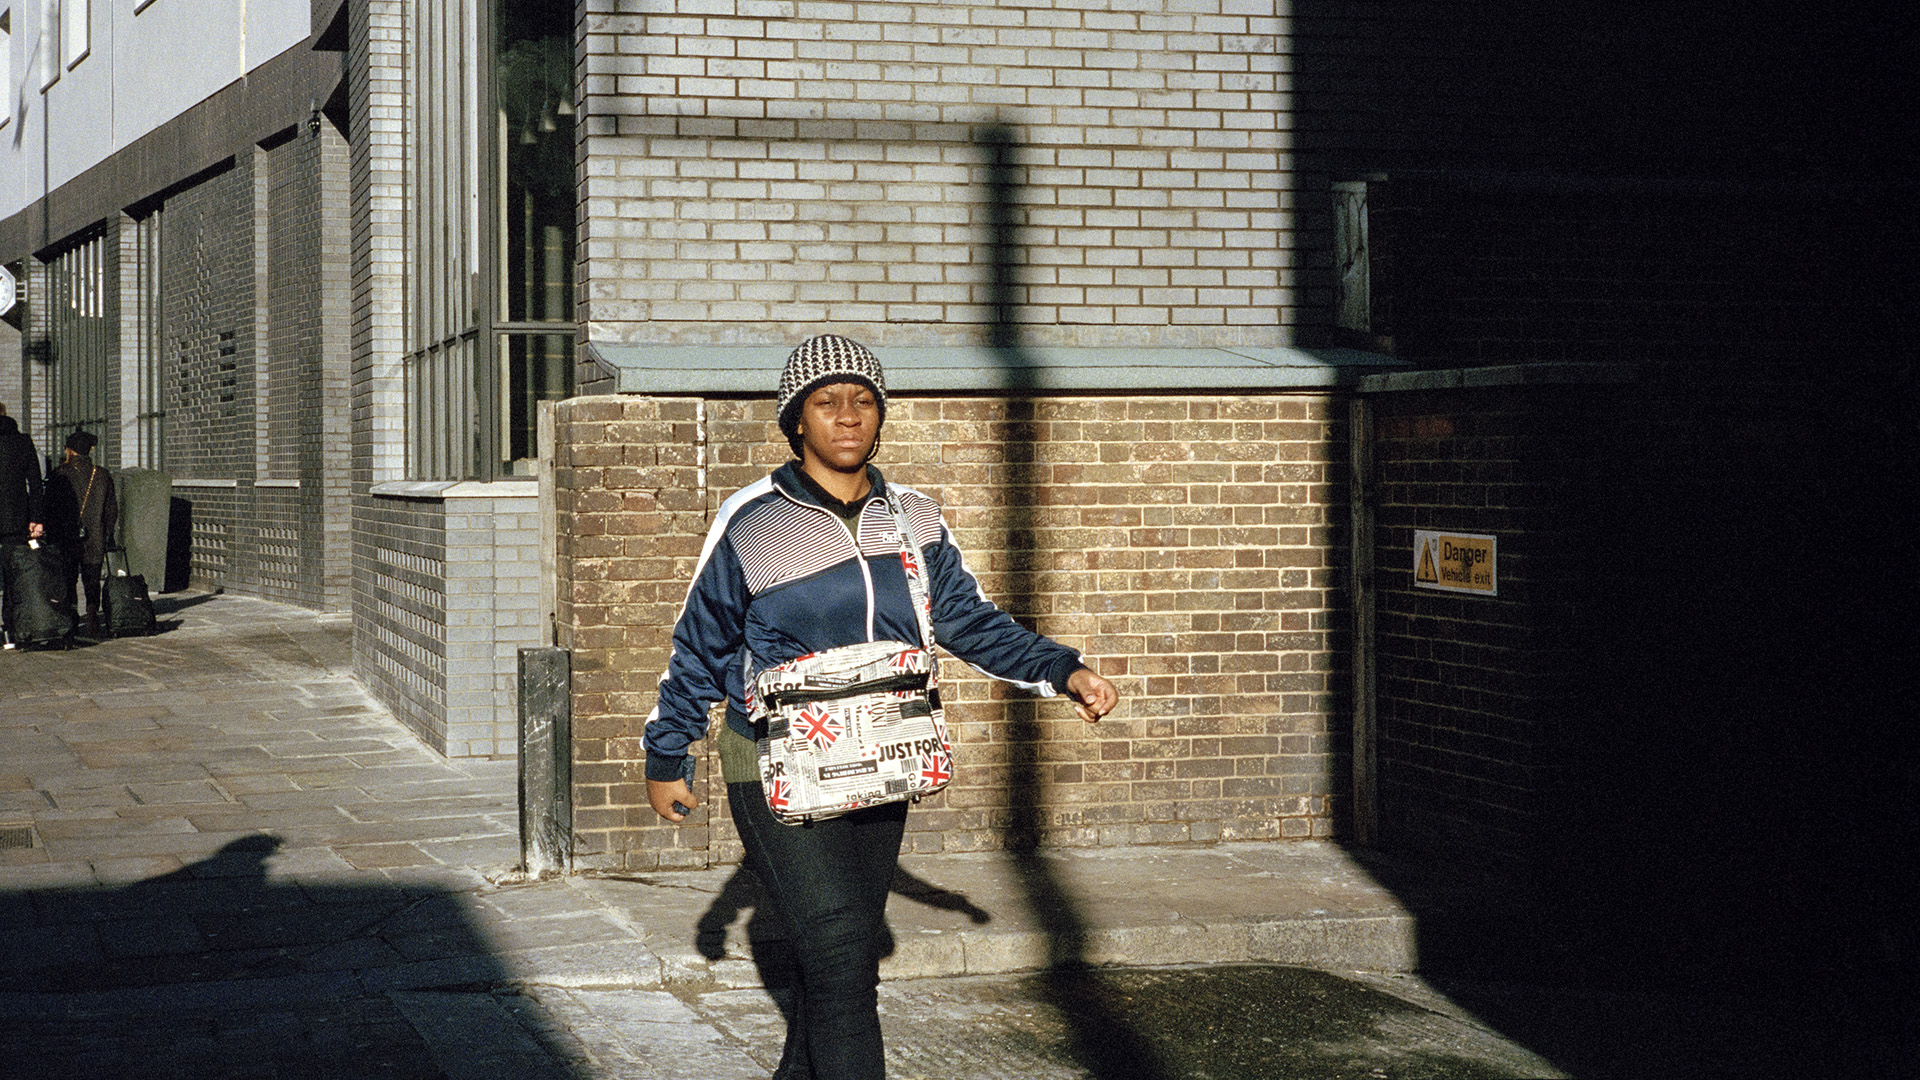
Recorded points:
(141,352)
(1361,314)
(6,63)
(533,91)
(78,341)
(491,331)
(444,341)
(76,34)
(1350,254)
(49,50)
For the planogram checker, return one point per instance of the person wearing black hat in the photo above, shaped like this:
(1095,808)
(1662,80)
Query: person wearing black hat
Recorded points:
(806,560)
(82,515)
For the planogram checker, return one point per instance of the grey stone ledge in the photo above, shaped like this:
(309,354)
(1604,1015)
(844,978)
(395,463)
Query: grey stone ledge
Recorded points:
(457,489)
(755,369)
(1475,378)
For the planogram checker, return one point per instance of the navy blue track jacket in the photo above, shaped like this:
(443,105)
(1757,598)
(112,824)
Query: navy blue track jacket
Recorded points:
(781,576)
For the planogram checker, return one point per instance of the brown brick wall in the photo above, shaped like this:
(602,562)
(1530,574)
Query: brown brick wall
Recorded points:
(1184,543)
(1477,698)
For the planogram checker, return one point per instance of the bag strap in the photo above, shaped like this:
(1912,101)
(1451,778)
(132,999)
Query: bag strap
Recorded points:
(913,560)
(88,497)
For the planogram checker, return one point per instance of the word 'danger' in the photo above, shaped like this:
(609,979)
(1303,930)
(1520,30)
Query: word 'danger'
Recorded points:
(1456,562)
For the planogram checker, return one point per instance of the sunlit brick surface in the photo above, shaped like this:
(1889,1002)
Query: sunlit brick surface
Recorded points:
(1182,542)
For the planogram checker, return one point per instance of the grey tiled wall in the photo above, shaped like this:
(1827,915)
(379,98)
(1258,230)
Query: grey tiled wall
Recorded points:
(449,592)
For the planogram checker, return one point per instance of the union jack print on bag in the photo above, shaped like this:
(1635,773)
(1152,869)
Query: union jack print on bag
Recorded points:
(848,728)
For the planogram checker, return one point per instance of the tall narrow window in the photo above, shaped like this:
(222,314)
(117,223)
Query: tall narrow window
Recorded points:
(1362,304)
(78,340)
(491,330)
(444,397)
(6,62)
(1350,253)
(49,51)
(533,91)
(141,387)
(77,34)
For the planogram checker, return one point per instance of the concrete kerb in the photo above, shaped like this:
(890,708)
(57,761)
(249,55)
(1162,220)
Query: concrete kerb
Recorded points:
(1309,905)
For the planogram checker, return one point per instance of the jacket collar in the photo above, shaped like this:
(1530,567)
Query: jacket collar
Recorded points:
(796,485)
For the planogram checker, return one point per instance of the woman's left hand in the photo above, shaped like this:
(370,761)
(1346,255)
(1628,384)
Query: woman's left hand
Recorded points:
(1093,696)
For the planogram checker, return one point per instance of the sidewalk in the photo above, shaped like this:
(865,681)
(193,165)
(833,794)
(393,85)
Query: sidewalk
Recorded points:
(218,822)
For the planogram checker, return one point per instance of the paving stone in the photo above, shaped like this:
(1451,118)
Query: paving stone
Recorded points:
(471,1036)
(370,856)
(128,871)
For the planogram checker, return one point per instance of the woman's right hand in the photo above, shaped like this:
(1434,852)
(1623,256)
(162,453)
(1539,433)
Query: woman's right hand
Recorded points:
(662,794)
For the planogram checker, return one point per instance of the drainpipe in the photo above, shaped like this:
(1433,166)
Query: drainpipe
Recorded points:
(1366,794)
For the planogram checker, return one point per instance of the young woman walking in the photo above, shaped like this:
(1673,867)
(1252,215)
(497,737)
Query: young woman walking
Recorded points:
(807,559)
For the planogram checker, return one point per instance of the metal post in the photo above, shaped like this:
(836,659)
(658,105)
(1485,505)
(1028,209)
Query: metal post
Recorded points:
(546,760)
(1366,788)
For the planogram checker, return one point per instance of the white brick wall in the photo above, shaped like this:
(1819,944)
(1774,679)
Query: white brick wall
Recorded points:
(774,166)
(454,594)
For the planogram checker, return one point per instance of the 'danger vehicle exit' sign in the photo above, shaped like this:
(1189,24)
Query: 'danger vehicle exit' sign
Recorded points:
(1456,562)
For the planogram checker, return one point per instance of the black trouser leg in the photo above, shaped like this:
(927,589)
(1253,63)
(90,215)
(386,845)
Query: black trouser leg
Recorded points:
(828,883)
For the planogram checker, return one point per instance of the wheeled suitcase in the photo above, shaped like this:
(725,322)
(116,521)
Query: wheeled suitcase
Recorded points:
(38,613)
(125,607)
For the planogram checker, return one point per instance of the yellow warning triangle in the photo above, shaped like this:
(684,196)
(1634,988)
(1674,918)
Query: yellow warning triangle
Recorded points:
(1427,571)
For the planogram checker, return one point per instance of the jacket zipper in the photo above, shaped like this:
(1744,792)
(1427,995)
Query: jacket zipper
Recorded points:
(853,537)
(908,681)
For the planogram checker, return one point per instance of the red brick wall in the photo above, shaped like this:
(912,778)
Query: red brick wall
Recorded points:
(1184,543)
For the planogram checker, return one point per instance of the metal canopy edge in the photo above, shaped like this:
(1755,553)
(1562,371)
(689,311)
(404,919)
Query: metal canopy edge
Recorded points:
(689,369)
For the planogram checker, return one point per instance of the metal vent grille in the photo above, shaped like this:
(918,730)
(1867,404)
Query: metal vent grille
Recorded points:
(16,836)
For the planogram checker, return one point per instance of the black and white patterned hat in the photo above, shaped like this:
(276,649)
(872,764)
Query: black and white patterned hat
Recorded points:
(822,361)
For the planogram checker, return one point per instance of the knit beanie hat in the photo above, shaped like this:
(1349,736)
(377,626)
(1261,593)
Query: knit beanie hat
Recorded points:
(822,361)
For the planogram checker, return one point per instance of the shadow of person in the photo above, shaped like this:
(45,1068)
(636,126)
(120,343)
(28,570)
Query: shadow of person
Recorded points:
(742,892)
(938,897)
(176,603)
(767,944)
(221,968)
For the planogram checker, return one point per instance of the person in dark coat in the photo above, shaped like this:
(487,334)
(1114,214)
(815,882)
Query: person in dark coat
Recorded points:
(22,492)
(82,513)
(22,500)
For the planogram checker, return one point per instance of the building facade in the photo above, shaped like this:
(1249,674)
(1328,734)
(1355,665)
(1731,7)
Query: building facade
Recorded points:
(1197,314)
(182,294)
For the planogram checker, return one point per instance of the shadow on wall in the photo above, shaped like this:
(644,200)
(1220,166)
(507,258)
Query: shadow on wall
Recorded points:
(217,970)
(1714,863)
(1102,1040)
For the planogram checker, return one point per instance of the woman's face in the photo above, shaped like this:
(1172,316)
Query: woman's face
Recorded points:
(838,425)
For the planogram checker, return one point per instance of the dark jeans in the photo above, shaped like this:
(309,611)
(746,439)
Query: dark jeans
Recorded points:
(89,580)
(828,884)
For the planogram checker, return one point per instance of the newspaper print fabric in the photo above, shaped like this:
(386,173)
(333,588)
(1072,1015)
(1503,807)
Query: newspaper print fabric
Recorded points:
(850,727)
